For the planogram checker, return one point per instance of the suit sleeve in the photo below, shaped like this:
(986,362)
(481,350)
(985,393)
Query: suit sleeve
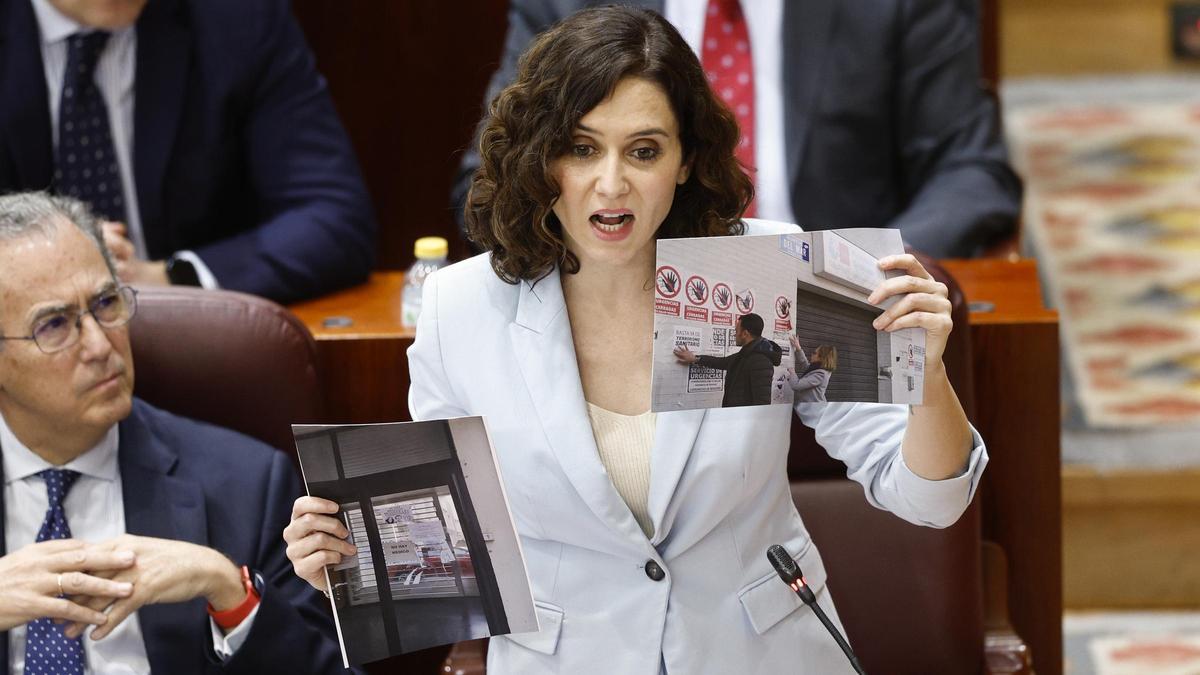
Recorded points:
(526,18)
(806,382)
(293,631)
(867,437)
(430,393)
(718,362)
(799,359)
(962,194)
(316,227)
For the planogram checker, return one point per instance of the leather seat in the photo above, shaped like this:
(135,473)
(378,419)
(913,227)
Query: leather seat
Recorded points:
(226,358)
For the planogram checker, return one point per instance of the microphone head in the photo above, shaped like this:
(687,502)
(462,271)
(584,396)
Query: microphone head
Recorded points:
(787,568)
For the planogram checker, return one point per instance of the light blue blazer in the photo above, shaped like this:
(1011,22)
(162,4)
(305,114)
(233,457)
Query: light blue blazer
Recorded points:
(718,496)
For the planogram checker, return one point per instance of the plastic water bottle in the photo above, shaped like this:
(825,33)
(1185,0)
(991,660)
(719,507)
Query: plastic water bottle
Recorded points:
(431,254)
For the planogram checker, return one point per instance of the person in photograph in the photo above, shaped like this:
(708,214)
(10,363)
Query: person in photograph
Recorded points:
(748,371)
(153,537)
(644,534)
(809,379)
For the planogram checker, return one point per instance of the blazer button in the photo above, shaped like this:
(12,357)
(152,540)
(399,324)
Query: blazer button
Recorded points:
(654,571)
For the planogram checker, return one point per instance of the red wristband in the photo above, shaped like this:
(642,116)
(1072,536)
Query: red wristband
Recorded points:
(230,618)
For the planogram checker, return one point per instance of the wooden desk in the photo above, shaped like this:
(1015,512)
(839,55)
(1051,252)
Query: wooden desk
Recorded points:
(1015,356)
(364,368)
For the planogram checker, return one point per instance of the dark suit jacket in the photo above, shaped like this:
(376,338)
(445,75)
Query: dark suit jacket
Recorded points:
(238,153)
(886,123)
(748,373)
(190,481)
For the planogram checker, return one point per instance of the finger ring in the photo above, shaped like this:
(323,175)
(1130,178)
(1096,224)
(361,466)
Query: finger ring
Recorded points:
(60,588)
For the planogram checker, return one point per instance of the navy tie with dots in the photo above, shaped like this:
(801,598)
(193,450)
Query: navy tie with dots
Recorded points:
(86,165)
(47,650)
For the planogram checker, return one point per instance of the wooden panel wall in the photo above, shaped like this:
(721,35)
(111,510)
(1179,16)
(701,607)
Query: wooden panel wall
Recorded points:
(1130,539)
(1068,37)
(408,78)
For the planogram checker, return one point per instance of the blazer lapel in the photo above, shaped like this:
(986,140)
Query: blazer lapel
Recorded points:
(25,112)
(159,504)
(163,59)
(545,351)
(807,28)
(674,437)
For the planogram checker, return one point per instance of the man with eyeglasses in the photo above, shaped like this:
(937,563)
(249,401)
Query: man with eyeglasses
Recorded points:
(121,522)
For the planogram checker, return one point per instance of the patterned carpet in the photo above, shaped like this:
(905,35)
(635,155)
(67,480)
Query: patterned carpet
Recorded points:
(1112,212)
(1132,643)
(1112,171)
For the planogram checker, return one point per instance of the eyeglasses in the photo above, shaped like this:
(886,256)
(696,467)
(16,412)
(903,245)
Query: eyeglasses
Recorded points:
(55,332)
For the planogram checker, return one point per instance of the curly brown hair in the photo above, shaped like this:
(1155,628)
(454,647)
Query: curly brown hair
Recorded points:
(567,71)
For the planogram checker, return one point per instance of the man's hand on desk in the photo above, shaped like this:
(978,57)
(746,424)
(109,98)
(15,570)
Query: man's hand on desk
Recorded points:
(129,268)
(35,575)
(166,571)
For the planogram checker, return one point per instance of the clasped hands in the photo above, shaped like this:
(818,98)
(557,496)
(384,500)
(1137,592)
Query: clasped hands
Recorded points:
(102,584)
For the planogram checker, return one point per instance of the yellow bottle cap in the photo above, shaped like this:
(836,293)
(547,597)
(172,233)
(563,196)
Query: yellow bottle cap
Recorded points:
(431,247)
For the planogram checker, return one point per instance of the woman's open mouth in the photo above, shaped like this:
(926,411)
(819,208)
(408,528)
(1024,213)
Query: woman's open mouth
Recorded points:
(612,225)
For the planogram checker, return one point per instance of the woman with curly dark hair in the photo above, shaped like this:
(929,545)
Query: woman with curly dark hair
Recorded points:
(528,144)
(644,535)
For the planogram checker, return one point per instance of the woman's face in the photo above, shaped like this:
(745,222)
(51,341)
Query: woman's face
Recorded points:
(618,180)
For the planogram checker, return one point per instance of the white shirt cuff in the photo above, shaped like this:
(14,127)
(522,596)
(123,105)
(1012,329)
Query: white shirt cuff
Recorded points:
(225,644)
(207,278)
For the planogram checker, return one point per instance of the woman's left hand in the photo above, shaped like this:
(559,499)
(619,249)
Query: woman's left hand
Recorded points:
(926,305)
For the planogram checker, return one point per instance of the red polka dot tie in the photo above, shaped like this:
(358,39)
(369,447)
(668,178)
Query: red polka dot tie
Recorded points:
(47,650)
(725,55)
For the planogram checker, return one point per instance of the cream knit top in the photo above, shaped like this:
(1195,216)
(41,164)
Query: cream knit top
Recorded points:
(624,443)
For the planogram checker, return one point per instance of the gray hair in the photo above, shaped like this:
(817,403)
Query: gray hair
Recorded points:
(26,213)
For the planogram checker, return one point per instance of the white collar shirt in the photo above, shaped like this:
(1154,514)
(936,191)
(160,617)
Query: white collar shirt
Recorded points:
(764,21)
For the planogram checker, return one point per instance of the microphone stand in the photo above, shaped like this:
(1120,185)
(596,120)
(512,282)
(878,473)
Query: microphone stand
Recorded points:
(806,595)
(790,572)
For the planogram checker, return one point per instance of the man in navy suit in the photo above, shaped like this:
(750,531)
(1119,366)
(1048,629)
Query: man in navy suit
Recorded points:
(868,113)
(200,129)
(155,538)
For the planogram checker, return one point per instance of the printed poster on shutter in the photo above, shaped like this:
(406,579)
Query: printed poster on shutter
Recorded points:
(727,310)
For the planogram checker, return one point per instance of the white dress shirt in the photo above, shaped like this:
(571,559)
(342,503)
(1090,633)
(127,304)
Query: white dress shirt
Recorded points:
(764,22)
(95,511)
(114,77)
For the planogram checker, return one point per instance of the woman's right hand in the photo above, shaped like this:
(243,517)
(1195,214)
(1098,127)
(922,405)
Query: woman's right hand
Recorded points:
(316,539)
(795,342)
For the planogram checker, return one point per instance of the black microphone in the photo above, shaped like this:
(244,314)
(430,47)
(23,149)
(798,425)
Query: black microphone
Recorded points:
(790,572)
